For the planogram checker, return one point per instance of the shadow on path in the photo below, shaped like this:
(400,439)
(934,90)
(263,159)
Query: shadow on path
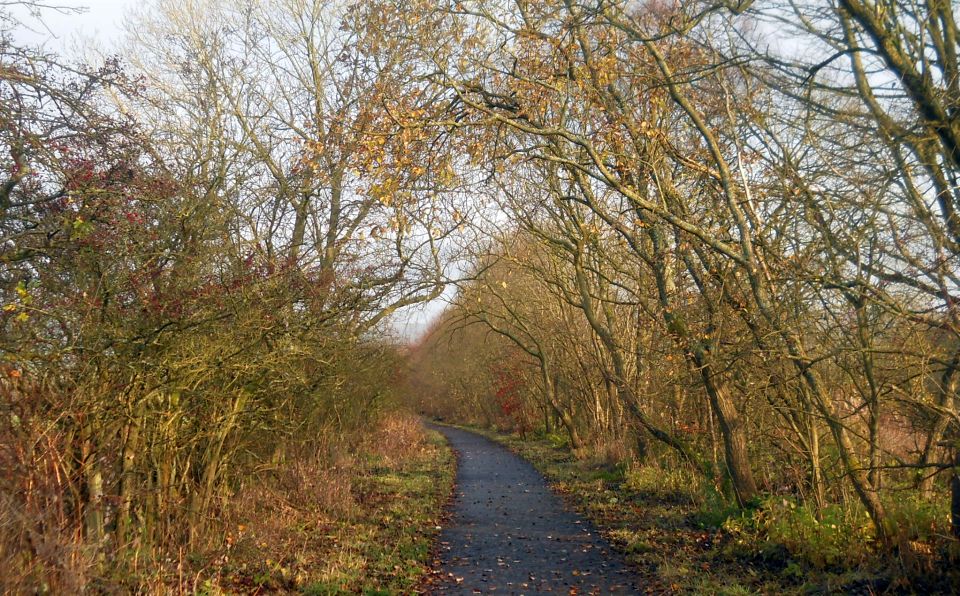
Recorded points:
(509,534)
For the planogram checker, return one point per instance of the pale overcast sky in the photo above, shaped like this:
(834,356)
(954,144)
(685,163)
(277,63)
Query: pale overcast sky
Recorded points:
(101,22)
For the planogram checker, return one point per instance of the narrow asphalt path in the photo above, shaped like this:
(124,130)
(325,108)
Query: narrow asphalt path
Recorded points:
(509,534)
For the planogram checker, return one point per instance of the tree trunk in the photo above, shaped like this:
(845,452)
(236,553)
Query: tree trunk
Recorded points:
(948,389)
(697,352)
(575,441)
(550,393)
(734,438)
(624,391)
(131,446)
(816,474)
(955,494)
(93,479)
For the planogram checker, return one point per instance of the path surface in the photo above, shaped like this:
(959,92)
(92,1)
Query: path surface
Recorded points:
(510,535)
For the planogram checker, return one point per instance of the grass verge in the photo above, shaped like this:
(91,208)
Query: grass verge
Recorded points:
(365,525)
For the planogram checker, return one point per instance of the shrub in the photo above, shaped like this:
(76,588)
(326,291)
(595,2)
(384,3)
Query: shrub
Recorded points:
(919,519)
(715,509)
(839,538)
(676,485)
(558,440)
(42,544)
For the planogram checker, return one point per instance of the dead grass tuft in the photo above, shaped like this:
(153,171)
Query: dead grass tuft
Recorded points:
(326,486)
(400,436)
(611,452)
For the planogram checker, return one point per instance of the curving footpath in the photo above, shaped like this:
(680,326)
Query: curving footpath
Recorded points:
(509,534)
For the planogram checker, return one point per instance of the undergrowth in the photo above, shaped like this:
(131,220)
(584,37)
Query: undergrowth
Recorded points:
(365,525)
(344,516)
